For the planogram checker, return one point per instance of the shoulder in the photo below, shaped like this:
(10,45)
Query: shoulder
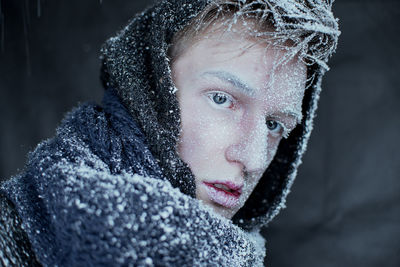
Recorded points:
(150,221)
(15,248)
(89,134)
(135,219)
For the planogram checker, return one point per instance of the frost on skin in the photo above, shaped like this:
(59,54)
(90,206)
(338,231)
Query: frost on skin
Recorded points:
(236,106)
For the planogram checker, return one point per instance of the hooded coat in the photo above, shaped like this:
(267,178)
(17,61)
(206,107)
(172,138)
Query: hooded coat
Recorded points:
(110,189)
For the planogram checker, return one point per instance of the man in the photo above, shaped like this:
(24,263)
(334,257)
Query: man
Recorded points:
(207,111)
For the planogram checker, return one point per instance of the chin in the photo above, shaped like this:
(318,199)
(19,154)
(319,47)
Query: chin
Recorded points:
(228,213)
(222,211)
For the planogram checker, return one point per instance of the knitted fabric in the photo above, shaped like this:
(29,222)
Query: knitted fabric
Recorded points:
(95,195)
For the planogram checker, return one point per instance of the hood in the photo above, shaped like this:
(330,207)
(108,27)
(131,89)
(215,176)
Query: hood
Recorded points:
(135,64)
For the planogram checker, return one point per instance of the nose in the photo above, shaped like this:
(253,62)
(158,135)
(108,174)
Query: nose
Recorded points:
(251,148)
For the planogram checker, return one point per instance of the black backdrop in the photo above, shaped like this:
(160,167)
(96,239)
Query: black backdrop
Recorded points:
(345,206)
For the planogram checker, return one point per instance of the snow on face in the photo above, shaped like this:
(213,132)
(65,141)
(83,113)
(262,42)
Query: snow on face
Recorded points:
(236,105)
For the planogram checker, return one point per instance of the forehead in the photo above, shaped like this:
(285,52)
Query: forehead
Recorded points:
(266,65)
(225,40)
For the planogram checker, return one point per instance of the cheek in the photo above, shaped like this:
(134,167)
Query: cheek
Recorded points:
(254,178)
(196,141)
(273,144)
(204,137)
(252,181)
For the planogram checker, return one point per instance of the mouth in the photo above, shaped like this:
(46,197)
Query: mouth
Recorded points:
(226,194)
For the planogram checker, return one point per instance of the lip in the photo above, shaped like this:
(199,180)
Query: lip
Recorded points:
(228,199)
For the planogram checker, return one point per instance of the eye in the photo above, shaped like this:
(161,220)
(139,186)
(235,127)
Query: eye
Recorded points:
(221,99)
(274,126)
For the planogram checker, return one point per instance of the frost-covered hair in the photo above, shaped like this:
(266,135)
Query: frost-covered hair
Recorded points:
(307,29)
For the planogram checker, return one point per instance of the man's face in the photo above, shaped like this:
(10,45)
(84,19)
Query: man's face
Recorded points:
(235,109)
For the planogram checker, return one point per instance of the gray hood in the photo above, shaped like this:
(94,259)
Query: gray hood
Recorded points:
(135,63)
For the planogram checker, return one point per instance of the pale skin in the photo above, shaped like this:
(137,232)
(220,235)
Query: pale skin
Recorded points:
(234,113)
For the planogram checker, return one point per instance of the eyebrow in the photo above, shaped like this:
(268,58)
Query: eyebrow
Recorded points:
(296,115)
(232,79)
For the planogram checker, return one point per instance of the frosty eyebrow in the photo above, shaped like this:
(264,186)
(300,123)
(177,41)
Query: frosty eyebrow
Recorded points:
(232,79)
(295,115)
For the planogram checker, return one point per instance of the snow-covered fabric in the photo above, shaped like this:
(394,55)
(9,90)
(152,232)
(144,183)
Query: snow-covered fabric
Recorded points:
(15,247)
(95,195)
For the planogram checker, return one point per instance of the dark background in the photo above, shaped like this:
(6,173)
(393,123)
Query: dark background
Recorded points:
(345,206)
